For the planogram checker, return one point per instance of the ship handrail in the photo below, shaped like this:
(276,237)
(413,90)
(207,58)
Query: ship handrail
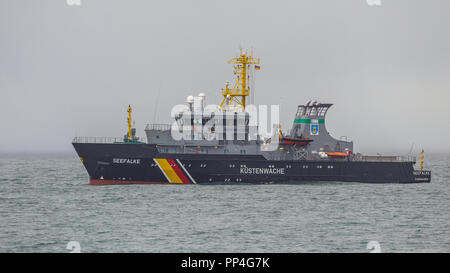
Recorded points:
(380,158)
(97,139)
(407,158)
(159,126)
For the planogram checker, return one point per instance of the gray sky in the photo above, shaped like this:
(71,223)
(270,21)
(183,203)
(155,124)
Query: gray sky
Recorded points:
(73,70)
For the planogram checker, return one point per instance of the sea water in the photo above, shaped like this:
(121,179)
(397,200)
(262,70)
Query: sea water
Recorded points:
(46,202)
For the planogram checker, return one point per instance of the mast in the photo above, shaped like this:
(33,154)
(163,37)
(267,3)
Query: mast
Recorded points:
(129,122)
(421,159)
(235,98)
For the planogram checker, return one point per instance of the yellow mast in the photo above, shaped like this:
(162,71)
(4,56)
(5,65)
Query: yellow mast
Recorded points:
(240,90)
(421,160)
(129,122)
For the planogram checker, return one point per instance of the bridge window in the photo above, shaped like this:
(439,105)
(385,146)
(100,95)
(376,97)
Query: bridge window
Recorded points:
(322,111)
(300,111)
(308,110)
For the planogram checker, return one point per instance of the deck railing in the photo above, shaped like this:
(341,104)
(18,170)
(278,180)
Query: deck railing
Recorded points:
(159,127)
(97,139)
(377,158)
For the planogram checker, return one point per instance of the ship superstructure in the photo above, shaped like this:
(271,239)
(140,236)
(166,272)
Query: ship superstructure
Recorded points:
(221,144)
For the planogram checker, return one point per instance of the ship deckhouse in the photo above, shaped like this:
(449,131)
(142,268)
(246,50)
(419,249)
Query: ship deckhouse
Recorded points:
(309,123)
(226,128)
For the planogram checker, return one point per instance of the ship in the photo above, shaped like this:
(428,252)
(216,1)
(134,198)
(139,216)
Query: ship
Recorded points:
(223,145)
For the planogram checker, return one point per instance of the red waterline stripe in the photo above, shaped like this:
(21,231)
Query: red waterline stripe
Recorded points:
(178,171)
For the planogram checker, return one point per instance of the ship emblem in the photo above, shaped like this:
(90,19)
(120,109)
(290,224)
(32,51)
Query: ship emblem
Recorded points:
(314,129)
